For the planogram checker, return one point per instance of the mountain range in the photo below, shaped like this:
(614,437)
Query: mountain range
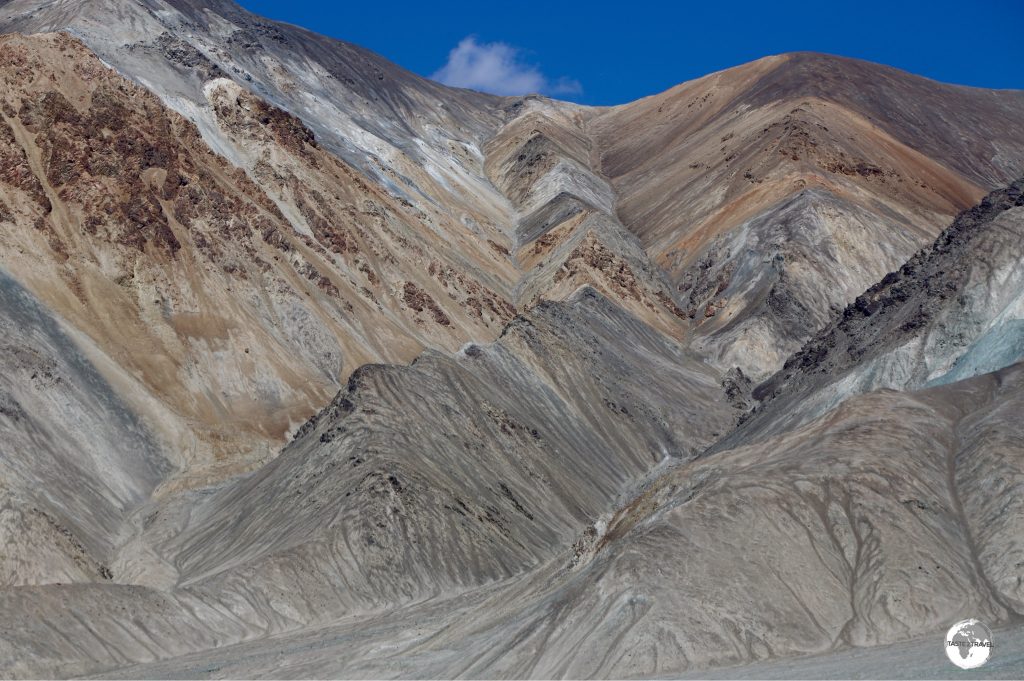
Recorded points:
(313,367)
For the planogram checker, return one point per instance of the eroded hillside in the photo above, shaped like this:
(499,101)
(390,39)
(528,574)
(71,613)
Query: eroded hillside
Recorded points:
(313,367)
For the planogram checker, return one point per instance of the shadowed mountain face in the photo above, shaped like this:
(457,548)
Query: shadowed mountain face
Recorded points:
(318,368)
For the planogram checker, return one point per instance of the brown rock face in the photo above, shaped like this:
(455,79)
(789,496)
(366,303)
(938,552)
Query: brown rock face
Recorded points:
(830,170)
(174,262)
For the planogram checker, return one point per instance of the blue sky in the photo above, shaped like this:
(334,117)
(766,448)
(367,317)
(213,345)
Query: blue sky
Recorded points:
(614,52)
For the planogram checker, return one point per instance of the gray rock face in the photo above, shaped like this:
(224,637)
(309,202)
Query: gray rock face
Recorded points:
(861,527)
(950,312)
(74,460)
(785,274)
(455,471)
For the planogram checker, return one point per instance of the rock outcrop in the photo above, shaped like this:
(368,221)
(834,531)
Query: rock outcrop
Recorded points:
(952,311)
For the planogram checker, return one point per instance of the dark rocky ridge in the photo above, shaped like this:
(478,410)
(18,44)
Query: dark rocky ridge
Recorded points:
(879,316)
(928,292)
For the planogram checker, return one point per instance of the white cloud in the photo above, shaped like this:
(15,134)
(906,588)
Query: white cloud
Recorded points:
(498,68)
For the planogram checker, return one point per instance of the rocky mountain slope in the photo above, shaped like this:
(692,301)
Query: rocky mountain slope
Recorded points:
(882,520)
(302,352)
(872,524)
(952,311)
(416,481)
(375,226)
(230,312)
(775,192)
